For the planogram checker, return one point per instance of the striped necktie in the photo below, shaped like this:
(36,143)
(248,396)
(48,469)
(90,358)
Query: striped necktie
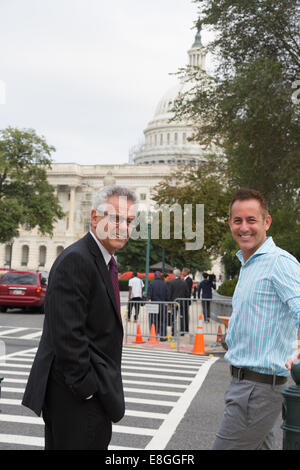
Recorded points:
(113,271)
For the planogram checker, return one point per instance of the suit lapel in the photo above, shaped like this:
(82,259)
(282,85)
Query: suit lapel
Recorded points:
(103,271)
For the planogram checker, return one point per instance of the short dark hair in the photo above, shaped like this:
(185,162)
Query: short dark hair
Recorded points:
(244,194)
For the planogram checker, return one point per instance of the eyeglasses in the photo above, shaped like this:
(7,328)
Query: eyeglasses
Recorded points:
(116,219)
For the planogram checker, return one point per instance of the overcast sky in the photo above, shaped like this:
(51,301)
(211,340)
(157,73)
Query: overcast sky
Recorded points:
(88,74)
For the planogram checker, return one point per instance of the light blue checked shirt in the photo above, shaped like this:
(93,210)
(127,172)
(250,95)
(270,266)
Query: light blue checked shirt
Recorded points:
(262,331)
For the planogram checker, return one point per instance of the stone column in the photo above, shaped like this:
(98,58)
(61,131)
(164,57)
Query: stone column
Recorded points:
(72,210)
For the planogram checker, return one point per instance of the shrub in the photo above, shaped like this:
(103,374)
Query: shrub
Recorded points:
(227,288)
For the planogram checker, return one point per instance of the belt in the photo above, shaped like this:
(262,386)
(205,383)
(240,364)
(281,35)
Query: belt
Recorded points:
(247,374)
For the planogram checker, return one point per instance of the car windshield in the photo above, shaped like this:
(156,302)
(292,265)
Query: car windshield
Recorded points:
(19,278)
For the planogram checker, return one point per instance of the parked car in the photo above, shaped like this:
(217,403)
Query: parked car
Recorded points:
(23,289)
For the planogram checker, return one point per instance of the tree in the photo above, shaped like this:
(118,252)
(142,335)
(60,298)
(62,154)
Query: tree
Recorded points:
(26,197)
(133,256)
(246,108)
(196,185)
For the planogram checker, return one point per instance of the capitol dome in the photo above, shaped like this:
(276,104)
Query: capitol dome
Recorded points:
(165,141)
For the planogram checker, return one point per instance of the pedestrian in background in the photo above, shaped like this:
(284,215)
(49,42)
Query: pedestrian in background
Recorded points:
(159,291)
(206,286)
(76,378)
(178,290)
(135,293)
(262,332)
(186,314)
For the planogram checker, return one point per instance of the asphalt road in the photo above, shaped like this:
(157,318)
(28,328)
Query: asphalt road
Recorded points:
(195,427)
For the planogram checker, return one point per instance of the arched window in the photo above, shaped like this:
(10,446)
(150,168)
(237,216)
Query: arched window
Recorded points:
(42,255)
(59,249)
(7,255)
(25,255)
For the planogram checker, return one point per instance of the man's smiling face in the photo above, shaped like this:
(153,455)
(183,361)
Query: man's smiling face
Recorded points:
(249,223)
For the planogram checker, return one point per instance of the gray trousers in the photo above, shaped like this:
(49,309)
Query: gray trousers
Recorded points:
(251,410)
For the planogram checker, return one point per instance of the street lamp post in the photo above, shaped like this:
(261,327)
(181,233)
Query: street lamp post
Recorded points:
(10,253)
(147,253)
(163,260)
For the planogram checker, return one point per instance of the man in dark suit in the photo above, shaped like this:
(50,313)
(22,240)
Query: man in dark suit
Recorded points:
(75,380)
(206,286)
(158,291)
(178,290)
(186,277)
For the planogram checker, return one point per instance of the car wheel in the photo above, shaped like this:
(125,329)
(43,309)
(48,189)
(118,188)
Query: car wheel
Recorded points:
(39,309)
(3,309)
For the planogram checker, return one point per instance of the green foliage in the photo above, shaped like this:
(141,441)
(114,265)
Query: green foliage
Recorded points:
(197,185)
(246,107)
(227,287)
(285,227)
(133,256)
(229,249)
(26,197)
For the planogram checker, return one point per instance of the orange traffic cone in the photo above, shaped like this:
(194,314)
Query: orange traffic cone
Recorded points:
(139,338)
(152,338)
(220,335)
(199,339)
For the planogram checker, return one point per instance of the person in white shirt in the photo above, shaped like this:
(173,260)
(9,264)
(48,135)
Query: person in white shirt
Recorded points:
(136,290)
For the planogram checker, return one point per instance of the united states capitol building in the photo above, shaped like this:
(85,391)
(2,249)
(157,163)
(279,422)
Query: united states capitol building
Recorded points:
(165,146)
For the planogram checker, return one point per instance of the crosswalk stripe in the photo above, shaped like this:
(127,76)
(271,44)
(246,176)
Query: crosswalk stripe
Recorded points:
(150,402)
(145,414)
(164,379)
(21,358)
(157,369)
(13,372)
(116,428)
(155,376)
(15,381)
(35,335)
(166,430)
(11,331)
(22,440)
(165,363)
(155,384)
(25,366)
(148,391)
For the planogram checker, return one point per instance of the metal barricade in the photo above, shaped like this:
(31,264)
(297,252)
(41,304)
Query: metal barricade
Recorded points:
(175,322)
(211,310)
(153,321)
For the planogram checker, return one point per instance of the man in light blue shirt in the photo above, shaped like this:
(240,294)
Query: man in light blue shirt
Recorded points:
(262,332)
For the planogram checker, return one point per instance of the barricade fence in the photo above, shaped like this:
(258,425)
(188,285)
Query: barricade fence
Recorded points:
(174,322)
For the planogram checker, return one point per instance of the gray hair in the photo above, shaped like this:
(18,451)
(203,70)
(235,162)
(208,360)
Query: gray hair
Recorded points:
(177,272)
(107,192)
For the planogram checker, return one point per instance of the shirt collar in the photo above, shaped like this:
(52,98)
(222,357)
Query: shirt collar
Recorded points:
(106,255)
(266,247)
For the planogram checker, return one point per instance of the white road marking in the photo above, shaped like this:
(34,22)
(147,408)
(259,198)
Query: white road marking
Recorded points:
(35,335)
(169,425)
(11,330)
(192,372)
(22,440)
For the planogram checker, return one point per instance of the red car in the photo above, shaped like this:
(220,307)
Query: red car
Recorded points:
(23,289)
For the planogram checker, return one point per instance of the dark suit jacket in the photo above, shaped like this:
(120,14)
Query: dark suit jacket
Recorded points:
(179,289)
(189,282)
(82,334)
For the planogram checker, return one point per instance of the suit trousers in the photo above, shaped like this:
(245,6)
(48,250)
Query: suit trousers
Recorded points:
(251,410)
(71,423)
